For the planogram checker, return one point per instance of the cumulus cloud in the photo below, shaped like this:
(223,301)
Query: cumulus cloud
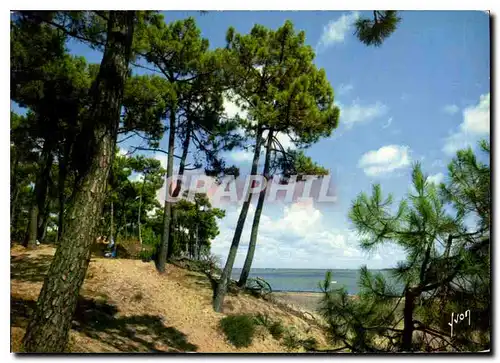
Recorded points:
(357,113)
(451,109)
(337,30)
(475,124)
(297,237)
(385,160)
(241,156)
(435,178)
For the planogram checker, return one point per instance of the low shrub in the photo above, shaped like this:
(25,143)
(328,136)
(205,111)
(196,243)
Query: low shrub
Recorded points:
(309,344)
(239,329)
(277,330)
(263,319)
(291,341)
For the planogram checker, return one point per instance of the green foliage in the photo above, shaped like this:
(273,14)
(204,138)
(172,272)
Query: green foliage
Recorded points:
(195,225)
(291,341)
(275,80)
(375,31)
(239,329)
(263,319)
(447,265)
(276,329)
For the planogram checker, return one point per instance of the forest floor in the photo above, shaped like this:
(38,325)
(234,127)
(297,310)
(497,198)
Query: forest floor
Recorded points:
(126,306)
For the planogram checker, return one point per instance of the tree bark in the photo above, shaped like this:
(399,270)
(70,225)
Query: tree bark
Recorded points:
(408,320)
(61,184)
(178,185)
(43,222)
(48,330)
(167,214)
(14,190)
(111,223)
(256,219)
(39,194)
(140,205)
(228,268)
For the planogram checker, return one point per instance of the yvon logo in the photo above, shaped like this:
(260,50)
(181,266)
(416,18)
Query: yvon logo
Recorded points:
(458,318)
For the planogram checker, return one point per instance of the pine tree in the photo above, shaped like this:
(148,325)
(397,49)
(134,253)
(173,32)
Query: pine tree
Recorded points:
(275,79)
(192,98)
(446,266)
(51,321)
(375,31)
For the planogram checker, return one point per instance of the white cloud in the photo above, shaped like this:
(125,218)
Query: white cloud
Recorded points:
(435,178)
(385,160)
(344,89)
(476,124)
(451,109)
(336,30)
(122,152)
(358,113)
(241,155)
(298,237)
(232,109)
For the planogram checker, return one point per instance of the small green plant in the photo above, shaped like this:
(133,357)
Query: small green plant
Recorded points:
(276,329)
(309,344)
(290,340)
(239,329)
(263,319)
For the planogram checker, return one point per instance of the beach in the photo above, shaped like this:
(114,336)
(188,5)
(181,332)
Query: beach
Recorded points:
(305,300)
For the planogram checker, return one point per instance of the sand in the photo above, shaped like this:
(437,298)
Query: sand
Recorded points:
(126,306)
(306,300)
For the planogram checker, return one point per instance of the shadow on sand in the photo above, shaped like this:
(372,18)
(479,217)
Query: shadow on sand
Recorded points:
(100,320)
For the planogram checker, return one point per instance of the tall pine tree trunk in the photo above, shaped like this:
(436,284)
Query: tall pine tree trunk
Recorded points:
(61,184)
(40,194)
(408,320)
(111,223)
(256,219)
(14,190)
(228,268)
(43,222)
(140,206)
(178,186)
(167,214)
(49,327)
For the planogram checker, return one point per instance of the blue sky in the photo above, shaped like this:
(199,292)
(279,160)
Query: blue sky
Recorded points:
(419,97)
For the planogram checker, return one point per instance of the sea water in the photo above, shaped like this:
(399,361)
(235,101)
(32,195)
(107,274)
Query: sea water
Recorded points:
(307,280)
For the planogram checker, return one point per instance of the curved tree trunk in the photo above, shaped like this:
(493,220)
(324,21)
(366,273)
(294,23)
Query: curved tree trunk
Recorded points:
(49,327)
(256,219)
(167,213)
(228,268)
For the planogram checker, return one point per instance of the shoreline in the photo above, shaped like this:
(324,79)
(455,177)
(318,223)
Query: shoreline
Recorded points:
(304,299)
